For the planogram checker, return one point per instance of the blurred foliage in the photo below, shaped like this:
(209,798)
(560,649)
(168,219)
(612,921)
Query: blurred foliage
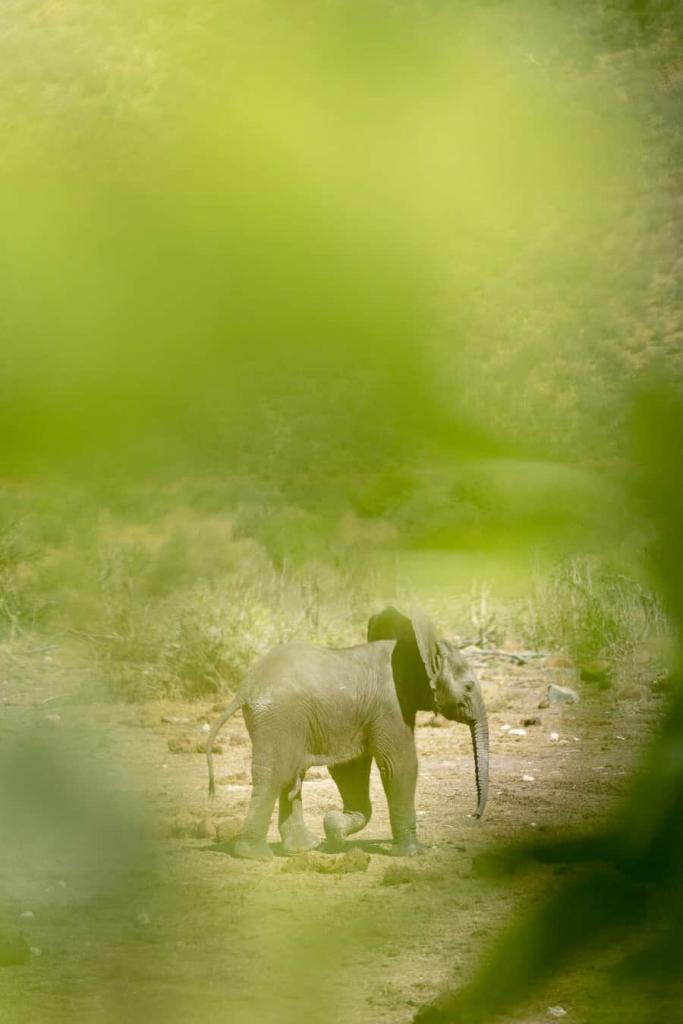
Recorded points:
(306,309)
(591,612)
(627,895)
(229,186)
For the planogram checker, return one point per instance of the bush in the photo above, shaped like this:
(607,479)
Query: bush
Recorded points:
(591,612)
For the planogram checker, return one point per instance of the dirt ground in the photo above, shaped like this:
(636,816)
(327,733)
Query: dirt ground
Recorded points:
(135,909)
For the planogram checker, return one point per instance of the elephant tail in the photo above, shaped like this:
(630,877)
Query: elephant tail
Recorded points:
(234,705)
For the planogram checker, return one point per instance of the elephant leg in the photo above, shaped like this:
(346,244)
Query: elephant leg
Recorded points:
(252,841)
(295,836)
(398,771)
(353,782)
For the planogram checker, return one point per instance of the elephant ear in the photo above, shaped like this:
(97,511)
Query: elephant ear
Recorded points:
(426,637)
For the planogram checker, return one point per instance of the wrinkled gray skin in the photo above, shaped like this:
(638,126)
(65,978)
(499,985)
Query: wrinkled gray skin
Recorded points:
(305,705)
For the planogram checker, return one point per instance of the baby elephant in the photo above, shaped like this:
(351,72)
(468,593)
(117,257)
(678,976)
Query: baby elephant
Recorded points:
(305,705)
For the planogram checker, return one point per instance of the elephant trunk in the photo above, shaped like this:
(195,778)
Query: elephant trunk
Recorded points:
(479,730)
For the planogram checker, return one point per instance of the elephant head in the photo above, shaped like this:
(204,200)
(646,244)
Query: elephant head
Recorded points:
(454,690)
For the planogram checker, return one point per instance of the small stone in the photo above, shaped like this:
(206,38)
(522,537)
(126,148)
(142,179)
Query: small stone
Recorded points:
(517,732)
(554,737)
(205,728)
(557,1011)
(527,778)
(561,694)
(143,918)
(505,728)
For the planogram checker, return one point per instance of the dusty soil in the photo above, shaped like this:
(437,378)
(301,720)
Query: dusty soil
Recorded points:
(141,913)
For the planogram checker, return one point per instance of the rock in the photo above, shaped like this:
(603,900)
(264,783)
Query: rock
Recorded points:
(557,1011)
(206,829)
(506,727)
(561,694)
(528,778)
(554,737)
(205,727)
(534,720)
(517,732)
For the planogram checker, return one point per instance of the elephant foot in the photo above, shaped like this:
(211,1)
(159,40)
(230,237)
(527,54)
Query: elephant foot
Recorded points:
(252,851)
(408,848)
(299,842)
(335,826)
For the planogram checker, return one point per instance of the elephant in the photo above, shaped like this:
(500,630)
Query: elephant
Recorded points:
(305,705)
